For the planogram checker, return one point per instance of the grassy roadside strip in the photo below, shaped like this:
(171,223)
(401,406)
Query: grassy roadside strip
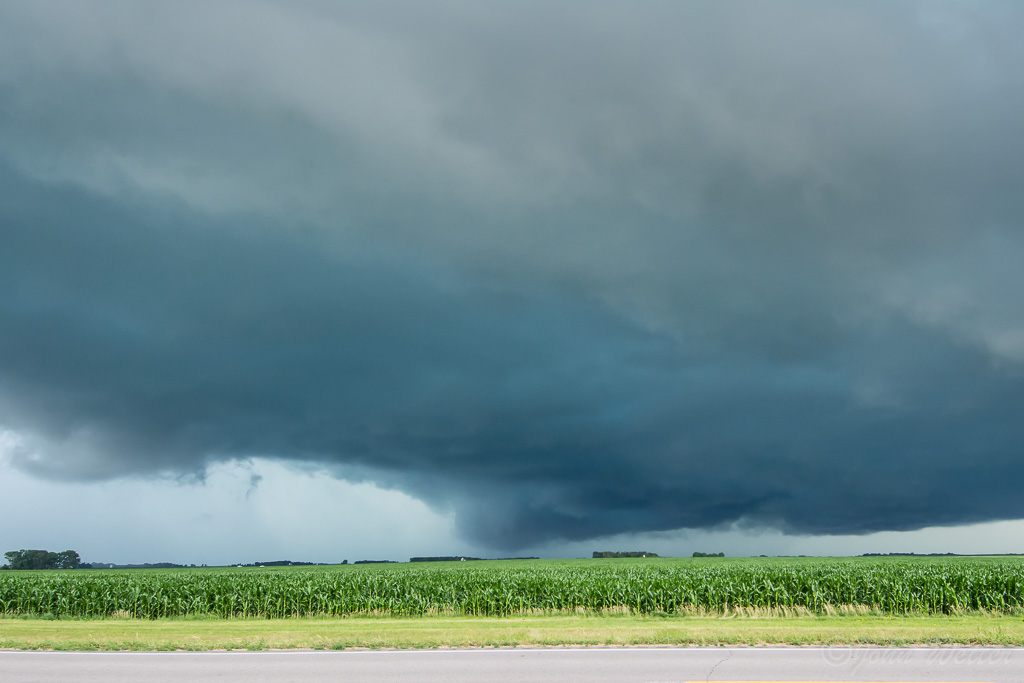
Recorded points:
(431,632)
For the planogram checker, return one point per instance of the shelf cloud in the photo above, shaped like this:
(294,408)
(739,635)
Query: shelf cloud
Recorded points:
(567,269)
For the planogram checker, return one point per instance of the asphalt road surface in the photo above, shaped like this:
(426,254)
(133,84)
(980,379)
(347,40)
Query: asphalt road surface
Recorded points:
(561,665)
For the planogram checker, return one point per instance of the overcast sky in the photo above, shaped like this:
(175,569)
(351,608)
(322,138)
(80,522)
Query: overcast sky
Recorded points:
(327,280)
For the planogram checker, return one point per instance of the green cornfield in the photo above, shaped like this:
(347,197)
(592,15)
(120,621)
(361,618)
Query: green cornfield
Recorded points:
(937,586)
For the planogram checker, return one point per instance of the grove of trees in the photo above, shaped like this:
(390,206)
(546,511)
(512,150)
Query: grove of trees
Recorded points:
(42,559)
(600,554)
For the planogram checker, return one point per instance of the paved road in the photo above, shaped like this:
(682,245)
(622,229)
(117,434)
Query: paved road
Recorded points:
(561,665)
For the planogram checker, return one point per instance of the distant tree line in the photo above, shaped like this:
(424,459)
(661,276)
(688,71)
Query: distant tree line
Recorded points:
(375,562)
(941,555)
(282,563)
(144,565)
(444,558)
(600,554)
(696,554)
(464,558)
(42,559)
(909,555)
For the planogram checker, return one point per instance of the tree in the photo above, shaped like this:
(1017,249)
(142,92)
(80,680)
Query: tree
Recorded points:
(42,559)
(68,559)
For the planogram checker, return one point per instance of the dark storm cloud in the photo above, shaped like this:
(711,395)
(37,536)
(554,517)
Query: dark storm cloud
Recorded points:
(572,270)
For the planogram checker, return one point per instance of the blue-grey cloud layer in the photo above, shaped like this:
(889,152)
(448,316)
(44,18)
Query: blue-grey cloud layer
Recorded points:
(572,269)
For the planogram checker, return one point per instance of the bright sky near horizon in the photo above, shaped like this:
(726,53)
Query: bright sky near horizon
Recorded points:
(327,280)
